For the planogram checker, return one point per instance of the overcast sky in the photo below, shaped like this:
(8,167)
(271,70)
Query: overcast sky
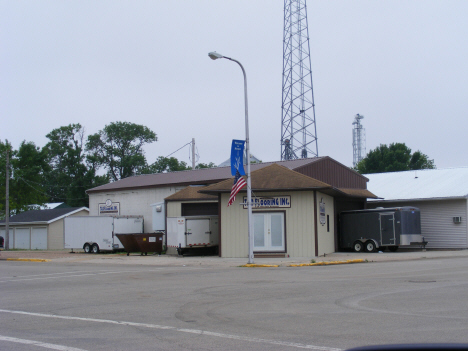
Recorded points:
(401,64)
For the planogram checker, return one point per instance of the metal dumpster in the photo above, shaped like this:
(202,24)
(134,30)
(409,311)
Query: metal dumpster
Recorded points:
(144,243)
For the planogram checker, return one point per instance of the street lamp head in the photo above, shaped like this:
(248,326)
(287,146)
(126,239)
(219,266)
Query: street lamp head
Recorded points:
(214,55)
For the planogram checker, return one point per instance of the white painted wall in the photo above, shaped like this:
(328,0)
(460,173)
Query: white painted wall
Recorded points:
(133,202)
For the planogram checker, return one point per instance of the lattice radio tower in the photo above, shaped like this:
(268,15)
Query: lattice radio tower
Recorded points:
(359,140)
(298,129)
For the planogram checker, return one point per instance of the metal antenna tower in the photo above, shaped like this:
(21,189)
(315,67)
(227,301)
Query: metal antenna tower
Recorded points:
(298,129)
(359,140)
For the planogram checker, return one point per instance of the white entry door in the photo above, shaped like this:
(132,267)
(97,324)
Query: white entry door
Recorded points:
(269,231)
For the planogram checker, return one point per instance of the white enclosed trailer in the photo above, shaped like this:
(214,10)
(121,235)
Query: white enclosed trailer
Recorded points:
(97,233)
(192,232)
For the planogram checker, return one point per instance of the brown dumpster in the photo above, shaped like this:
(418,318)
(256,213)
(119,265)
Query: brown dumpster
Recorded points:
(144,243)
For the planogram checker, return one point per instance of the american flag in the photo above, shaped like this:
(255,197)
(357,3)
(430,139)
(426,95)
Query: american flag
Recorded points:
(239,183)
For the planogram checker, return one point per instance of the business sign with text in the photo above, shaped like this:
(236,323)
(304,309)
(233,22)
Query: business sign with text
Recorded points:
(283,201)
(109,208)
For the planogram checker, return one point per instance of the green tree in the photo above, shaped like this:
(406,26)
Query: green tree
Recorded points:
(70,174)
(3,150)
(119,148)
(393,158)
(205,165)
(164,165)
(28,166)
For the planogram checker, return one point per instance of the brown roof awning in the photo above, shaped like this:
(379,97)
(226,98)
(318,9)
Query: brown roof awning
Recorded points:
(191,193)
(272,178)
(364,193)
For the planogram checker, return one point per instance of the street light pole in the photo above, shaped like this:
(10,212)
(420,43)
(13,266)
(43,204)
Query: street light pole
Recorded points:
(215,56)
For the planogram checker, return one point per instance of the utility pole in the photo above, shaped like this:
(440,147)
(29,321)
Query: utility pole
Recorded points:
(7,201)
(193,153)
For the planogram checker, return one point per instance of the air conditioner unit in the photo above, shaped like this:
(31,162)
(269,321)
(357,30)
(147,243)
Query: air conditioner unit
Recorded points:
(457,219)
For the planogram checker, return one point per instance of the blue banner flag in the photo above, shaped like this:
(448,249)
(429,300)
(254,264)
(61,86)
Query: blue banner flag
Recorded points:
(237,157)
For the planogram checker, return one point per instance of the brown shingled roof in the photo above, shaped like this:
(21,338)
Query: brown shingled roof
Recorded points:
(191,177)
(191,193)
(273,177)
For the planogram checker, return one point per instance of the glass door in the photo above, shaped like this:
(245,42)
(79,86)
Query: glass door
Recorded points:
(269,231)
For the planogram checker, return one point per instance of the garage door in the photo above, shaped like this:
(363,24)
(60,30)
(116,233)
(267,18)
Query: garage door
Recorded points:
(39,239)
(22,238)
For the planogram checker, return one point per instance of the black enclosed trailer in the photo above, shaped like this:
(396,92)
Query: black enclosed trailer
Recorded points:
(369,230)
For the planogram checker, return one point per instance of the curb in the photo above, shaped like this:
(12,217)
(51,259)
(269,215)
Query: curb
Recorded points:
(325,263)
(26,259)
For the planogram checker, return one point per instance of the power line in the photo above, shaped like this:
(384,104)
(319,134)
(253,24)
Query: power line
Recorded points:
(178,149)
(52,186)
(48,195)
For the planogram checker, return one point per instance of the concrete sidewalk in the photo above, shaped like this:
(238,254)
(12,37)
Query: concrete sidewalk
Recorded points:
(64,256)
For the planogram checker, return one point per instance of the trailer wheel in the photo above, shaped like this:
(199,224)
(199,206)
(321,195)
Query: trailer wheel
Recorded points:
(87,248)
(369,246)
(393,248)
(95,248)
(358,246)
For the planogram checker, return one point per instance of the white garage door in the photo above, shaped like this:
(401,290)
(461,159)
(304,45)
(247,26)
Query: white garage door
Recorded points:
(39,239)
(22,238)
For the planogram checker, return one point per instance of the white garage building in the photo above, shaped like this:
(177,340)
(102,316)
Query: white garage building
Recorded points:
(440,194)
(39,229)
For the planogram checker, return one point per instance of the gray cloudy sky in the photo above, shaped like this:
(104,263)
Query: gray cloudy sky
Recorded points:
(401,64)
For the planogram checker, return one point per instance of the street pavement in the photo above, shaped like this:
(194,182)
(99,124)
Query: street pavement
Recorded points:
(113,302)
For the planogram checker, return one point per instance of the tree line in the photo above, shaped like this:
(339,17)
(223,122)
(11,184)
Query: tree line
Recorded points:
(68,165)
(395,157)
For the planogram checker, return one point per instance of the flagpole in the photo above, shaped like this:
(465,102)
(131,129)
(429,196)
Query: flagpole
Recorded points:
(214,56)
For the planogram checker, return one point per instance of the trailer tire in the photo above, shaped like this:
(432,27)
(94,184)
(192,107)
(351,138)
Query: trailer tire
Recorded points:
(95,248)
(87,248)
(358,246)
(369,246)
(393,248)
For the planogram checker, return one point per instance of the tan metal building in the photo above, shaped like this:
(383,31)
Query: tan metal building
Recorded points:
(294,215)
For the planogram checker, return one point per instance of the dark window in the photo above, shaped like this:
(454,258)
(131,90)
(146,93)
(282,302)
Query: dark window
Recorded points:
(328,223)
(200,209)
